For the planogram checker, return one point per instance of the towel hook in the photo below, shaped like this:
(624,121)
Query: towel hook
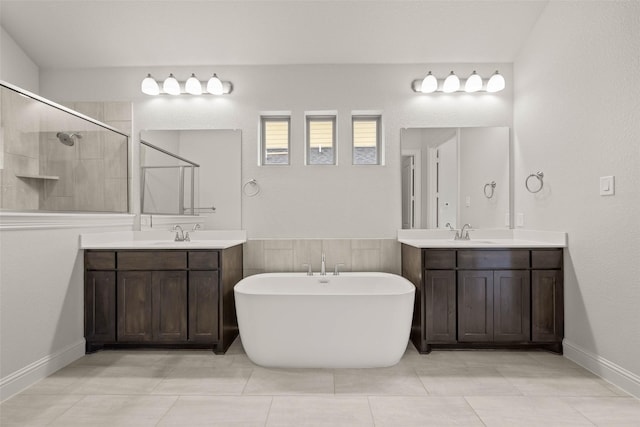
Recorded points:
(492,187)
(539,176)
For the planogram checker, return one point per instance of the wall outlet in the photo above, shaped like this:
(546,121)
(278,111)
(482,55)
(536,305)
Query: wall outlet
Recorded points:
(520,220)
(607,186)
(467,201)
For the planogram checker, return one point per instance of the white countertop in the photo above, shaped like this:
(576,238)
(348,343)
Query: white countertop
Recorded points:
(499,238)
(200,239)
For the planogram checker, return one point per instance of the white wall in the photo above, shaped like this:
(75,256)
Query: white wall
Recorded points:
(15,66)
(577,118)
(297,200)
(41,293)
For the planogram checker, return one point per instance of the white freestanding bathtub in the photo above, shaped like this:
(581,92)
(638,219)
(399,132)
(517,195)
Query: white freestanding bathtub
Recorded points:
(354,320)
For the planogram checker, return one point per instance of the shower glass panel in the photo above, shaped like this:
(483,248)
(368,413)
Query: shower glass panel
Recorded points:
(53,159)
(169,183)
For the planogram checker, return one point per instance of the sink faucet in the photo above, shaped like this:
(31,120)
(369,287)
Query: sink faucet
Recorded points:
(457,236)
(323,266)
(180,236)
(464,235)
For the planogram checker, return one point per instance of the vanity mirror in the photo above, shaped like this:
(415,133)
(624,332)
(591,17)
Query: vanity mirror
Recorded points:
(210,159)
(455,176)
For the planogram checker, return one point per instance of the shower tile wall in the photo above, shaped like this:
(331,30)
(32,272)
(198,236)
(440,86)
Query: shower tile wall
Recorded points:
(282,255)
(20,148)
(92,173)
(93,176)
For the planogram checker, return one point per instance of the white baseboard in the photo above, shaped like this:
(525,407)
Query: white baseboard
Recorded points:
(615,374)
(23,378)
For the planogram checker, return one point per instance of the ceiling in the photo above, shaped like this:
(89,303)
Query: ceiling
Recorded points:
(122,33)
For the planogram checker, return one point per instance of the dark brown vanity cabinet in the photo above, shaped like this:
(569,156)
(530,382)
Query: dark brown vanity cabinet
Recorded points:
(485,298)
(168,298)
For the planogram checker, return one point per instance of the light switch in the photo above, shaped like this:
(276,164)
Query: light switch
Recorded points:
(607,186)
(467,201)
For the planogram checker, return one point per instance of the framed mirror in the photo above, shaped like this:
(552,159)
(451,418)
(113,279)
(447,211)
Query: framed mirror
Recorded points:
(194,172)
(455,176)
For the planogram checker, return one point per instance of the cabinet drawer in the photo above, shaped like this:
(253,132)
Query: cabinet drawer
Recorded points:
(205,260)
(492,259)
(546,259)
(435,259)
(101,260)
(152,260)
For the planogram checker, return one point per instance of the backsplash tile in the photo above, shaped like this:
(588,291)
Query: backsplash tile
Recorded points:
(278,255)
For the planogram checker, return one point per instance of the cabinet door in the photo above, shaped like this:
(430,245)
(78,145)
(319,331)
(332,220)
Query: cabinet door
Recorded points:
(100,306)
(475,305)
(440,306)
(547,306)
(511,306)
(203,306)
(134,306)
(169,290)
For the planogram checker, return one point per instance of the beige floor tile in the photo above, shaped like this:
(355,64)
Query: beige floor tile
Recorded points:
(492,358)
(608,411)
(204,381)
(264,381)
(218,410)
(199,359)
(121,380)
(513,411)
(34,410)
(63,381)
(124,358)
(568,382)
(118,410)
(464,381)
(319,411)
(404,411)
(397,381)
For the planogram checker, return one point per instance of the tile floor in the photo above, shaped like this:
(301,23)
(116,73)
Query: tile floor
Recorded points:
(198,388)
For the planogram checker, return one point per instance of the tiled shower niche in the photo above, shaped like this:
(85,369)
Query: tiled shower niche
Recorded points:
(56,160)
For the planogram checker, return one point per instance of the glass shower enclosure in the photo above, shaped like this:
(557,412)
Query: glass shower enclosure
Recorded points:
(54,159)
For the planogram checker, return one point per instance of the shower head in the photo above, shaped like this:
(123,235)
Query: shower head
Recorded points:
(68,138)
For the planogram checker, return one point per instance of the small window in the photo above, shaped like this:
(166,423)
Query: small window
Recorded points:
(321,140)
(275,139)
(366,140)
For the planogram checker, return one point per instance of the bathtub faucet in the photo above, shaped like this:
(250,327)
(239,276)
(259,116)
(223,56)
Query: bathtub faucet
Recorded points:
(323,266)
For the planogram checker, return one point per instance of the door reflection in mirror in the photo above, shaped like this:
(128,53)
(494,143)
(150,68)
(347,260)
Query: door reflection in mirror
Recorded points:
(444,171)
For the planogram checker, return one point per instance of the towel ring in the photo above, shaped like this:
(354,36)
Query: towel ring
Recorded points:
(492,187)
(254,184)
(538,175)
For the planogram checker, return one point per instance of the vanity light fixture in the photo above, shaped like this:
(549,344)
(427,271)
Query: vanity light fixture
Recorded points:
(474,83)
(451,83)
(150,86)
(496,83)
(193,86)
(429,84)
(171,85)
(214,85)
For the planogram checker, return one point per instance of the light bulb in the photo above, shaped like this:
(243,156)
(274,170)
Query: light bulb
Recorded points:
(496,83)
(429,84)
(149,86)
(193,85)
(473,83)
(171,85)
(451,83)
(214,86)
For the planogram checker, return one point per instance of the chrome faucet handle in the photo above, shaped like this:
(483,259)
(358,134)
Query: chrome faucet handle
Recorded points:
(196,227)
(336,269)
(309,270)
(187,238)
(464,232)
(177,238)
